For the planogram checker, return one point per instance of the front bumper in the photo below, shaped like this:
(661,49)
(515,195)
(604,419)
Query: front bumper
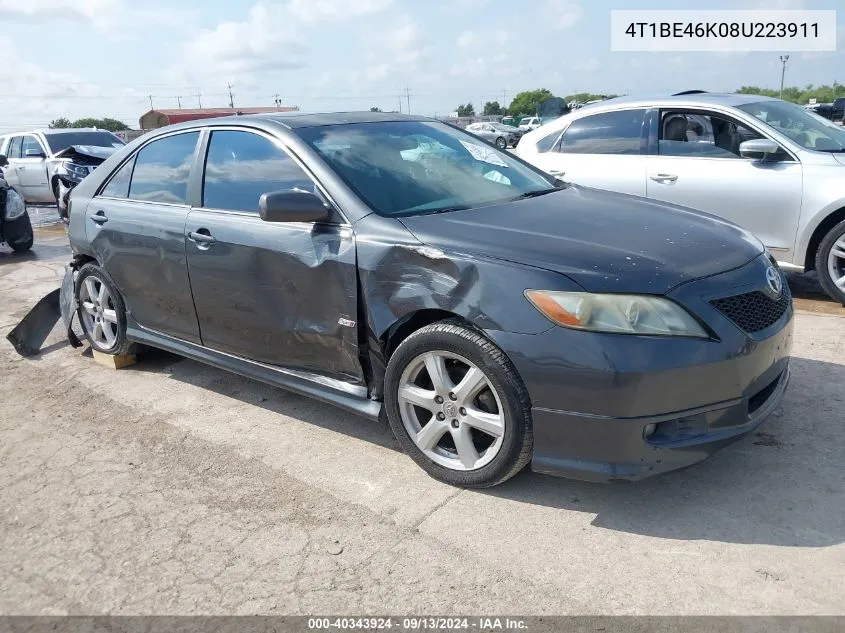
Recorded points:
(616,407)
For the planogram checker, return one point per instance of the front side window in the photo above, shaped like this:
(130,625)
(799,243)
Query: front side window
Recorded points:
(31,146)
(807,130)
(702,135)
(162,169)
(241,166)
(416,167)
(605,133)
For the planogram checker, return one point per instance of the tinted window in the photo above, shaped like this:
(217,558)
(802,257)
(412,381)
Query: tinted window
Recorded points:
(58,142)
(30,144)
(605,133)
(701,135)
(14,148)
(118,186)
(242,166)
(546,143)
(416,167)
(162,169)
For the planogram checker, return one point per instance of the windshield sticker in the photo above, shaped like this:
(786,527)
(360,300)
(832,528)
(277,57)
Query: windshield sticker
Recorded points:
(484,154)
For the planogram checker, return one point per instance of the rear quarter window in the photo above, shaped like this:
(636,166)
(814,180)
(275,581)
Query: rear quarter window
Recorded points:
(162,169)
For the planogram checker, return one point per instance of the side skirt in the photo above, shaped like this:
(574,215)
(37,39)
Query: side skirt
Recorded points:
(329,390)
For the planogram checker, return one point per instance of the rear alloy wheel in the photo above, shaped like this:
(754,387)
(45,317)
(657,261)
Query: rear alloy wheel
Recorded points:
(501,143)
(830,263)
(101,311)
(458,407)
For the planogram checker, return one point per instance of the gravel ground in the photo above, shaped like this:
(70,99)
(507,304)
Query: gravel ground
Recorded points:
(174,488)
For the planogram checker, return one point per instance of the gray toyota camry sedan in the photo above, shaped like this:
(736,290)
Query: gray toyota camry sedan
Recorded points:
(401,268)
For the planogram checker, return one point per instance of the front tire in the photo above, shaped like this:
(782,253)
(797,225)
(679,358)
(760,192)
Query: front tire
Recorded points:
(501,143)
(458,407)
(101,311)
(19,233)
(830,263)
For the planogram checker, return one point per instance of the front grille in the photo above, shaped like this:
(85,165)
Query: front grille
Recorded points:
(754,311)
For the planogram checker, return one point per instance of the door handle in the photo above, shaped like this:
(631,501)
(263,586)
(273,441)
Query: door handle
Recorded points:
(202,238)
(664,177)
(99,218)
(557,172)
(21,168)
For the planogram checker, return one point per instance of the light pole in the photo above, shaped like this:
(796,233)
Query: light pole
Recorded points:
(783,60)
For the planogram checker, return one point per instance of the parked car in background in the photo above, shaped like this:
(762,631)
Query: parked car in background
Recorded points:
(529,123)
(766,164)
(40,169)
(834,111)
(495,316)
(502,136)
(15,227)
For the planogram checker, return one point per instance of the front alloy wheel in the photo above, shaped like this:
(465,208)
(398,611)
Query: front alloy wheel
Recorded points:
(99,317)
(451,411)
(830,262)
(457,406)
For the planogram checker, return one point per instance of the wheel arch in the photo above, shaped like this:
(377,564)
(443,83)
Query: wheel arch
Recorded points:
(831,220)
(402,328)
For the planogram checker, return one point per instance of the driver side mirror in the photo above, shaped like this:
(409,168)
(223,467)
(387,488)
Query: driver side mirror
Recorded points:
(34,153)
(292,205)
(758,149)
(3,160)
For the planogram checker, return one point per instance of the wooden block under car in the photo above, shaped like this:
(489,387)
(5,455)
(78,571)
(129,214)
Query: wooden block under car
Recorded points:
(114,362)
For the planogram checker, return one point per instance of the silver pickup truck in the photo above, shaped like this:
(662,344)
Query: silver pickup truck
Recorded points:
(38,159)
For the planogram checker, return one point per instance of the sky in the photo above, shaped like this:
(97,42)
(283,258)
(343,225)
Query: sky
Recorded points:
(78,58)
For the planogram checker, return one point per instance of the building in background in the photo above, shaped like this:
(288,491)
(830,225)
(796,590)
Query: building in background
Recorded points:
(159,118)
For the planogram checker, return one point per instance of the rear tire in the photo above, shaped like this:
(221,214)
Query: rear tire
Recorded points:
(481,435)
(21,239)
(501,143)
(101,311)
(830,263)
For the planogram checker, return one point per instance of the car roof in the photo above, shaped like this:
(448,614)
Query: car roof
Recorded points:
(64,130)
(692,98)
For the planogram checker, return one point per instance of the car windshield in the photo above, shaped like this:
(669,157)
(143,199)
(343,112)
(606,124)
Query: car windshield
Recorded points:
(58,142)
(405,168)
(807,129)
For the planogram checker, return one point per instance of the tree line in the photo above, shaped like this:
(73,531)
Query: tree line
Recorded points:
(822,94)
(112,125)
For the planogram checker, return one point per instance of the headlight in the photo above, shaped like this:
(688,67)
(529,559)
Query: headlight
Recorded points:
(76,172)
(620,314)
(15,207)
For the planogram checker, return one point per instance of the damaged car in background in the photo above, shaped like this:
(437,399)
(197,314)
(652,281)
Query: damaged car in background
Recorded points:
(400,268)
(45,165)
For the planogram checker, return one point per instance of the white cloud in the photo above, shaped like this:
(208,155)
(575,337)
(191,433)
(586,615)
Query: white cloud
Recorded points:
(466,39)
(311,11)
(561,14)
(590,65)
(470,68)
(104,15)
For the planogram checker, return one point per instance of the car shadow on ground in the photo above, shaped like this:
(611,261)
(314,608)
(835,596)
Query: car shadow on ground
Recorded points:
(783,485)
(267,397)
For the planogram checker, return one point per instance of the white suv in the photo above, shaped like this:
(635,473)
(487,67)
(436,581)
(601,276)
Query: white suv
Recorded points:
(32,169)
(765,164)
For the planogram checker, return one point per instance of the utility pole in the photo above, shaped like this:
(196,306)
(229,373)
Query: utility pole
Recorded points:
(231,97)
(199,100)
(504,98)
(400,104)
(783,60)
(277,101)
(179,101)
(151,102)
(408,97)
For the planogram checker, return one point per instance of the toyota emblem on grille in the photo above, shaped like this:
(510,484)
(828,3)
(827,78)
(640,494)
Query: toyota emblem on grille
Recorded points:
(774,281)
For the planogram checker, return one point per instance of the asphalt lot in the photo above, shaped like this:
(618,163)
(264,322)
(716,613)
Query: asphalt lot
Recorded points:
(171,487)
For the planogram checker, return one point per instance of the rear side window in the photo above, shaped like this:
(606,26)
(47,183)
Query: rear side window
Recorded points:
(605,133)
(14,148)
(162,169)
(118,186)
(241,166)
(546,143)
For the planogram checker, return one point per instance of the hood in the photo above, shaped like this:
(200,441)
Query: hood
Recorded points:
(605,242)
(88,151)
